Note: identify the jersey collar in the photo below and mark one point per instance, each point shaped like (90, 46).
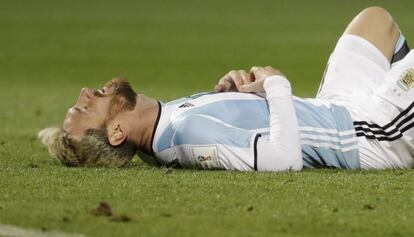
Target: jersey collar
(155, 127)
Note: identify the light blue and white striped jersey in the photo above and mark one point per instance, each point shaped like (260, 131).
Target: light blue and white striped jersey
(220, 131)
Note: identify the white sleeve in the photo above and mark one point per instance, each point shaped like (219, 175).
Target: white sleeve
(282, 151)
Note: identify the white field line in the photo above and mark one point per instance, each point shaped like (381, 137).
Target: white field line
(14, 231)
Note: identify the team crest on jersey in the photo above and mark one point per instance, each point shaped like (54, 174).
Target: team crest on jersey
(205, 157)
(406, 81)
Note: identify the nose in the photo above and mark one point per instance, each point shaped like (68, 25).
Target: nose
(85, 91)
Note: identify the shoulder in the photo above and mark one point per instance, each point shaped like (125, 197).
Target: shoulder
(195, 127)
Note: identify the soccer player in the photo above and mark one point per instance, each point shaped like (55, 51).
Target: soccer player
(361, 118)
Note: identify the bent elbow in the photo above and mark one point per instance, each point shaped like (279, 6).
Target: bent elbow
(270, 158)
(297, 162)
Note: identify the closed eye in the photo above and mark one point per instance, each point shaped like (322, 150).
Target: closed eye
(102, 91)
(99, 93)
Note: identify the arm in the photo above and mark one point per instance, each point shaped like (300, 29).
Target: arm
(282, 151)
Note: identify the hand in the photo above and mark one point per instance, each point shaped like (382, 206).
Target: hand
(240, 80)
(258, 75)
(233, 81)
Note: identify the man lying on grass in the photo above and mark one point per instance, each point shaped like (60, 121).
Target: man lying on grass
(361, 118)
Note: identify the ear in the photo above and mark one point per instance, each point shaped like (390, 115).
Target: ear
(116, 134)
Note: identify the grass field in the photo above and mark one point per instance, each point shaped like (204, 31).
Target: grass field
(168, 49)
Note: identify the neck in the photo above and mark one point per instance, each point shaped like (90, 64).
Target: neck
(141, 122)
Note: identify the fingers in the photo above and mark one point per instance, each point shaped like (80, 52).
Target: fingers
(256, 86)
(245, 77)
(237, 80)
(233, 81)
(253, 72)
(220, 88)
(224, 85)
(261, 73)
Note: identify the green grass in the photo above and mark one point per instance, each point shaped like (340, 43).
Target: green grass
(168, 49)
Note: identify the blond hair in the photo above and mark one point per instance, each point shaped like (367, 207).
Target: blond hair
(92, 150)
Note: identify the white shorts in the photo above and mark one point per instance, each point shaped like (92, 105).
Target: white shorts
(379, 98)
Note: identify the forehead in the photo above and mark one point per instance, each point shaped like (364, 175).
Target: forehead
(72, 123)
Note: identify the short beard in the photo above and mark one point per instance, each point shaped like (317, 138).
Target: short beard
(124, 97)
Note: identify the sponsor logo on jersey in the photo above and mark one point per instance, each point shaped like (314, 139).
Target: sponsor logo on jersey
(185, 105)
(406, 81)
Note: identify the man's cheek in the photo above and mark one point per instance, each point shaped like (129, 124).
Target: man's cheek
(113, 110)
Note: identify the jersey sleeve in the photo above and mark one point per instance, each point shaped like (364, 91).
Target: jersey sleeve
(282, 149)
